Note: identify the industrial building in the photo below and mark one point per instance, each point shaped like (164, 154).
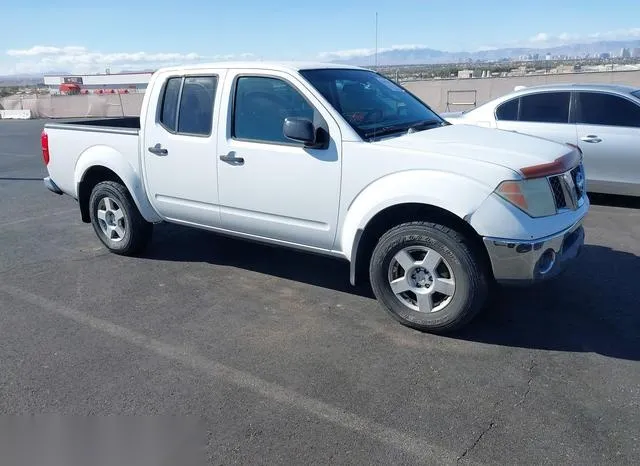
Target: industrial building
(107, 83)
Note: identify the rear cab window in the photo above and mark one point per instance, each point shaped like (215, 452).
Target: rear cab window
(169, 103)
(187, 105)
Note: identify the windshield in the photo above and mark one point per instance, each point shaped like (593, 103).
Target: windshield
(636, 93)
(373, 105)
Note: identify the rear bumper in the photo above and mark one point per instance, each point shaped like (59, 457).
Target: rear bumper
(515, 261)
(51, 186)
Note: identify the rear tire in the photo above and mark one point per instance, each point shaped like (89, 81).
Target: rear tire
(117, 220)
(428, 277)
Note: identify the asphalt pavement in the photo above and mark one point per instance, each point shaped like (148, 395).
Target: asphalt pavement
(282, 362)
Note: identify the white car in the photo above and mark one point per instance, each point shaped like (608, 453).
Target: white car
(333, 160)
(603, 120)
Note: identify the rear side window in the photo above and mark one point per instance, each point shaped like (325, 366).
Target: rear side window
(195, 96)
(605, 109)
(545, 107)
(196, 105)
(508, 111)
(169, 112)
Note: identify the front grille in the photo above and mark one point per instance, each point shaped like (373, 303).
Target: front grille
(558, 192)
(568, 188)
(577, 175)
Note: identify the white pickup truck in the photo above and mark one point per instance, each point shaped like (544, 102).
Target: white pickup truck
(334, 160)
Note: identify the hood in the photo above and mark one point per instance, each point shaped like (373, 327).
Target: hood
(505, 148)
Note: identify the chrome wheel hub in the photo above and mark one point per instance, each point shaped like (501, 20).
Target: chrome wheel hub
(111, 219)
(421, 279)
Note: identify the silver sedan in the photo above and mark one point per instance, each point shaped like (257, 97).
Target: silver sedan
(603, 120)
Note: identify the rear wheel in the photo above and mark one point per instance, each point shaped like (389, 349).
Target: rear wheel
(117, 220)
(427, 276)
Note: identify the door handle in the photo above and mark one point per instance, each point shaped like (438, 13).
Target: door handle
(158, 150)
(591, 138)
(232, 159)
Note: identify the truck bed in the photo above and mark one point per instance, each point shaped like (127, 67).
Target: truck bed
(76, 143)
(125, 125)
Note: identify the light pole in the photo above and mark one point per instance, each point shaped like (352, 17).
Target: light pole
(376, 52)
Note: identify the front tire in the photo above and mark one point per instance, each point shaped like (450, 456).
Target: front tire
(117, 220)
(428, 277)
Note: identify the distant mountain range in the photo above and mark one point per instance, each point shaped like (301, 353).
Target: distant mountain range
(424, 56)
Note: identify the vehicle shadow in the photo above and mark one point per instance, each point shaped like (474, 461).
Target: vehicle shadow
(611, 200)
(183, 244)
(14, 178)
(592, 307)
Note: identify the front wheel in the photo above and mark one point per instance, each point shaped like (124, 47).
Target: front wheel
(428, 277)
(117, 220)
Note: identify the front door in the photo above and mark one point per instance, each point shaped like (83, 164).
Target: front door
(179, 150)
(609, 136)
(542, 114)
(270, 186)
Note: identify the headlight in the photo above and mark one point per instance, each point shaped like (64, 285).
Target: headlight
(533, 196)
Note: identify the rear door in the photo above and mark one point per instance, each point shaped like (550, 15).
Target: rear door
(609, 136)
(179, 148)
(543, 114)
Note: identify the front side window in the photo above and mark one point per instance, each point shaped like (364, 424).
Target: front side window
(597, 108)
(169, 110)
(545, 107)
(508, 111)
(196, 105)
(372, 104)
(261, 106)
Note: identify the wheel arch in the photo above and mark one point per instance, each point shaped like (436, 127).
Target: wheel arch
(101, 163)
(94, 175)
(367, 236)
(411, 195)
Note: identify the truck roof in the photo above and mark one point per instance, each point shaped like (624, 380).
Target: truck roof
(264, 65)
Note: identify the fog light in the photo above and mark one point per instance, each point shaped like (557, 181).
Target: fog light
(524, 247)
(546, 261)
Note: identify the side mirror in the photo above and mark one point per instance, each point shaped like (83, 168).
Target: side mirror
(301, 130)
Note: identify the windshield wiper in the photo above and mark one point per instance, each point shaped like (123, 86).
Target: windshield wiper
(386, 130)
(425, 125)
(408, 128)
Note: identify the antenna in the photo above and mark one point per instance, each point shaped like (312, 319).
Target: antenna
(376, 54)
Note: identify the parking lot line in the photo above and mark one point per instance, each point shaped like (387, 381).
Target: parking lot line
(37, 217)
(415, 446)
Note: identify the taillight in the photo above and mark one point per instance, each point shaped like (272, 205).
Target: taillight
(44, 143)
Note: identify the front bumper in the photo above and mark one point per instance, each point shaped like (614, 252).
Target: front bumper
(51, 186)
(516, 261)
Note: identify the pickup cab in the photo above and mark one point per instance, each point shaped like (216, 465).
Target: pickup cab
(334, 160)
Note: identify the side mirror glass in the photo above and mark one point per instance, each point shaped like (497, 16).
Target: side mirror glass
(300, 130)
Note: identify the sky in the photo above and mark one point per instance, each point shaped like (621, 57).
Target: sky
(39, 36)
